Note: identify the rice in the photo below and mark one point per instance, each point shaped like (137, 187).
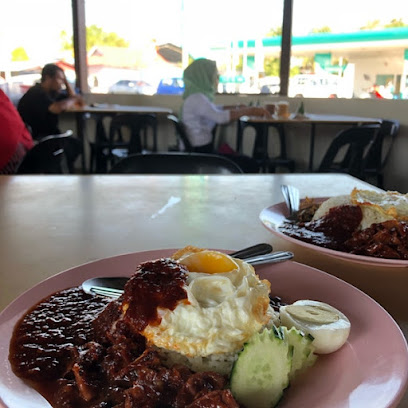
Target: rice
(220, 363)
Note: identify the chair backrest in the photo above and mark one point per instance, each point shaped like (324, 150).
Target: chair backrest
(181, 132)
(138, 126)
(53, 154)
(378, 155)
(351, 145)
(176, 163)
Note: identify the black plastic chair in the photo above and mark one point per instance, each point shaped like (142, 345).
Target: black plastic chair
(260, 149)
(181, 133)
(176, 163)
(347, 153)
(246, 163)
(379, 153)
(183, 136)
(55, 154)
(109, 148)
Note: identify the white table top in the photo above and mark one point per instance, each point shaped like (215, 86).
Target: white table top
(317, 118)
(115, 108)
(51, 223)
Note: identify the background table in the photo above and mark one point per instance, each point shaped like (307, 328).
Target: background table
(312, 119)
(109, 109)
(52, 223)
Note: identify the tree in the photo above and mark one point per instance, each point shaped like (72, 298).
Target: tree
(94, 36)
(395, 23)
(324, 29)
(371, 25)
(271, 66)
(19, 54)
(274, 32)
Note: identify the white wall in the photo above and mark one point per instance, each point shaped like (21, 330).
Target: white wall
(396, 177)
(371, 67)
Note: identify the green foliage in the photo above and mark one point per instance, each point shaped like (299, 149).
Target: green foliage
(67, 42)
(371, 25)
(274, 32)
(271, 66)
(294, 71)
(394, 23)
(240, 66)
(94, 36)
(375, 24)
(19, 54)
(325, 29)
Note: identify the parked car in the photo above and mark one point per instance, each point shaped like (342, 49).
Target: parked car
(171, 86)
(314, 86)
(132, 87)
(270, 85)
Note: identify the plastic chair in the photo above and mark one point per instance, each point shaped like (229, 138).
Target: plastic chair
(181, 132)
(347, 153)
(55, 154)
(260, 149)
(183, 136)
(176, 163)
(247, 164)
(108, 149)
(379, 153)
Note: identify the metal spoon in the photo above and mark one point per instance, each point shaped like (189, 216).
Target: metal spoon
(292, 199)
(113, 286)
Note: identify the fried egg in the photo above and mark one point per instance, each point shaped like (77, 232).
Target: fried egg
(376, 206)
(227, 303)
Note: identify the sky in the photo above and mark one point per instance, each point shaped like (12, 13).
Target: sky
(36, 25)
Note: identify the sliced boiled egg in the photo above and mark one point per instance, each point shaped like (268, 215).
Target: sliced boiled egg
(209, 262)
(329, 327)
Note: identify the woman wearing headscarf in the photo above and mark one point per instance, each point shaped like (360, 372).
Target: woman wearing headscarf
(199, 113)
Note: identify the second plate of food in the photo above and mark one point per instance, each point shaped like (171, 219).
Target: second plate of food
(273, 218)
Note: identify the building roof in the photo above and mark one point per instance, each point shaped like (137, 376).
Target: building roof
(133, 58)
(369, 41)
(389, 34)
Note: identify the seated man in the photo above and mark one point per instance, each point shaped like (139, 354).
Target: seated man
(41, 104)
(15, 139)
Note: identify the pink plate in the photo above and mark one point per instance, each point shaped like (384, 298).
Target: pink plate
(273, 217)
(371, 366)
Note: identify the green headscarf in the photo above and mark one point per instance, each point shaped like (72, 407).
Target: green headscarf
(199, 77)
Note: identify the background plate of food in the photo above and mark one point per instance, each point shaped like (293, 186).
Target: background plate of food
(371, 366)
(366, 226)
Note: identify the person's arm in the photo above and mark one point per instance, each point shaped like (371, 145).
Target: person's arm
(229, 107)
(67, 103)
(248, 111)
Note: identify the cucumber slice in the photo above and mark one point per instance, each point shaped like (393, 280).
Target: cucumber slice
(261, 372)
(303, 350)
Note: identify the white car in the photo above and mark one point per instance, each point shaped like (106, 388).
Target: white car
(270, 85)
(314, 86)
(133, 87)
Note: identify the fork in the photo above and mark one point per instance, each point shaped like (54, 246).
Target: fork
(292, 200)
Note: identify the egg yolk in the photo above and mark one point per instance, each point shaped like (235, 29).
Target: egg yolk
(209, 262)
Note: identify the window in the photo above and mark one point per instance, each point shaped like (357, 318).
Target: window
(353, 49)
(33, 34)
(155, 42)
(357, 48)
